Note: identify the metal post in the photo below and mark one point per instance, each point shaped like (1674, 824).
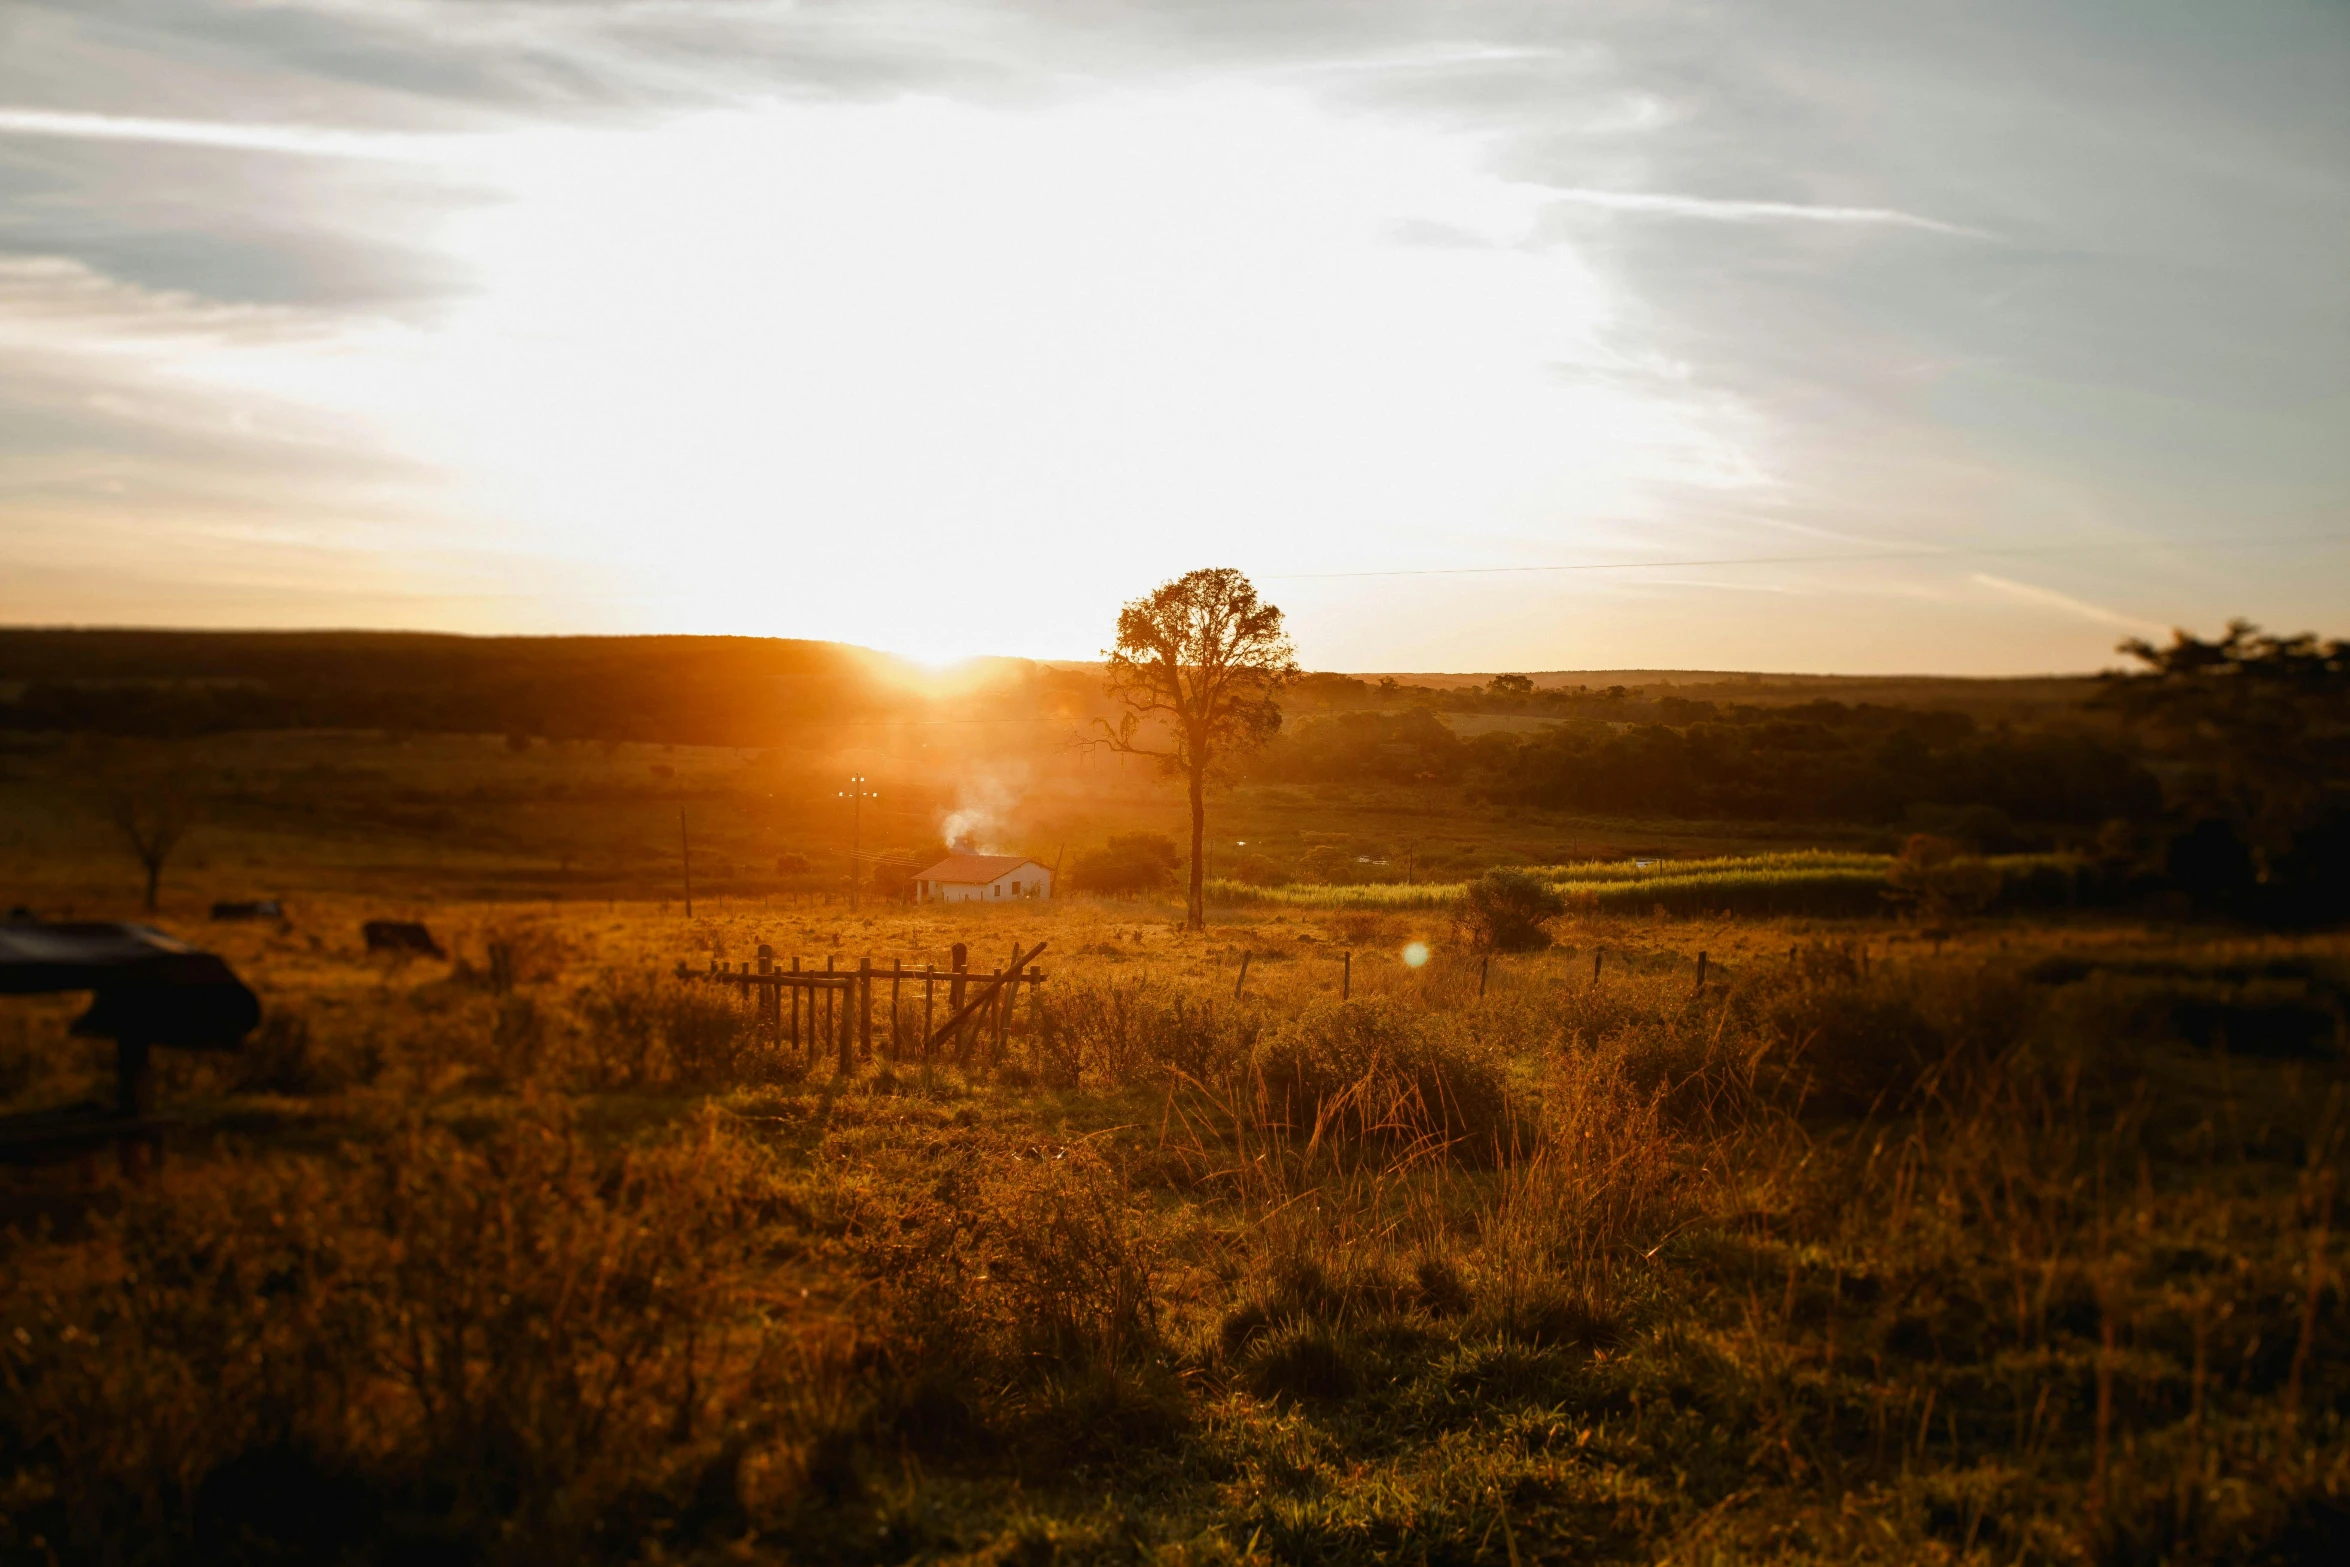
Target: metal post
(857, 794)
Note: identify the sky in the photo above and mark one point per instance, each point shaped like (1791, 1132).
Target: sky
(1484, 335)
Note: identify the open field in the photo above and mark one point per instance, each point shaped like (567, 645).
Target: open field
(2018, 1252)
(2002, 1237)
(472, 816)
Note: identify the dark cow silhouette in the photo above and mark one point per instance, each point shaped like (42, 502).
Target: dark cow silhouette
(258, 909)
(400, 936)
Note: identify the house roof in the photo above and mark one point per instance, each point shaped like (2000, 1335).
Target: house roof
(974, 869)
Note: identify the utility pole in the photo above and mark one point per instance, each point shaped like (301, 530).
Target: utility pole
(856, 794)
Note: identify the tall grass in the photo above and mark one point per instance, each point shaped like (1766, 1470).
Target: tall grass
(1922, 1261)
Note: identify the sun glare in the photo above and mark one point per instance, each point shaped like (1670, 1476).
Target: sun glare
(944, 379)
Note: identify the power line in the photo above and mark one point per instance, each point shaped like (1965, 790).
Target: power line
(1816, 560)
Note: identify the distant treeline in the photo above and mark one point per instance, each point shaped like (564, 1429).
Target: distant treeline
(1818, 761)
(751, 691)
(2024, 699)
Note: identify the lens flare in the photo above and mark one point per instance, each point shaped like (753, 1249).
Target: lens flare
(1416, 954)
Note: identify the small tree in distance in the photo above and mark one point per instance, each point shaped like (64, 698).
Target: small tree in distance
(1137, 862)
(151, 809)
(1933, 876)
(1204, 657)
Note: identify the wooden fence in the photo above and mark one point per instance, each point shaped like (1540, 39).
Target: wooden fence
(805, 1008)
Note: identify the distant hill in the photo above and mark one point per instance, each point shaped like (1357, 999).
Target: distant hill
(685, 690)
(743, 691)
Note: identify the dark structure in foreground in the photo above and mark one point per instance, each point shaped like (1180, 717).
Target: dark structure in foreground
(147, 991)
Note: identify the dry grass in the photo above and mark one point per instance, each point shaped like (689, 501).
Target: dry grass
(1859, 1253)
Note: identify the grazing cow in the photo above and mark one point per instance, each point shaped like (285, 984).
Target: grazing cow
(400, 936)
(258, 909)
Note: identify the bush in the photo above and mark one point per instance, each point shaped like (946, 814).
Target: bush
(1935, 878)
(1135, 863)
(1349, 1072)
(1504, 910)
(1092, 1031)
(639, 1028)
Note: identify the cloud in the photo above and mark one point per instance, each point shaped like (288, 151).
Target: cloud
(2063, 603)
(307, 141)
(1720, 209)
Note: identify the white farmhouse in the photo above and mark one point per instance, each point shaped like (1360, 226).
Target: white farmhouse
(972, 878)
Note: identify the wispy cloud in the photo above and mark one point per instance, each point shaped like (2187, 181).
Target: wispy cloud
(308, 141)
(2065, 603)
(1720, 209)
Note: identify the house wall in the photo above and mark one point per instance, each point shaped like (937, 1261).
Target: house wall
(1000, 890)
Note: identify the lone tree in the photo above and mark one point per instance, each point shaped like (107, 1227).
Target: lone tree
(151, 808)
(1203, 657)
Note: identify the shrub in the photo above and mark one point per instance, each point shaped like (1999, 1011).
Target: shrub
(1835, 1039)
(1504, 910)
(1125, 866)
(1072, 1266)
(1304, 1363)
(1934, 877)
(1347, 1072)
(639, 1028)
(1094, 1030)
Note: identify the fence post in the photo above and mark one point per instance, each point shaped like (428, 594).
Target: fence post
(1484, 973)
(1003, 1013)
(1598, 954)
(769, 1017)
(929, 991)
(960, 956)
(1700, 990)
(865, 1008)
(1346, 976)
(795, 1006)
(844, 1026)
(1243, 979)
(897, 1022)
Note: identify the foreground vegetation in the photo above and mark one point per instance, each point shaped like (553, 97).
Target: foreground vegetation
(2021, 1251)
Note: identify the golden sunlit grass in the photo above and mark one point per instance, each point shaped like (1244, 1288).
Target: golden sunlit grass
(1860, 1252)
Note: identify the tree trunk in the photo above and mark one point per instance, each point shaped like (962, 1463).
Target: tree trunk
(154, 875)
(1195, 915)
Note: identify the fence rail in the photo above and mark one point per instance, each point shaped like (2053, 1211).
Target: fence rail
(837, 1004)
